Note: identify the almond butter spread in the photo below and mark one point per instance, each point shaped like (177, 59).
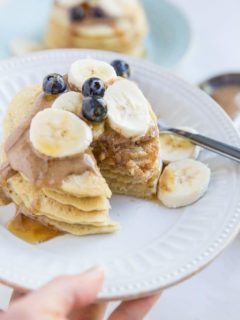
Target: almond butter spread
(40, 170)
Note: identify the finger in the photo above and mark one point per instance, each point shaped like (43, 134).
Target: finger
(16, 296)
(92, 312)
(134, 310)
(65, 293)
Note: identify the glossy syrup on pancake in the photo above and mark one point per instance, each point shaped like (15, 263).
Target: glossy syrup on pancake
(31, 230)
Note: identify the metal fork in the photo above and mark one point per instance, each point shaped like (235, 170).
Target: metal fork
(215, 146)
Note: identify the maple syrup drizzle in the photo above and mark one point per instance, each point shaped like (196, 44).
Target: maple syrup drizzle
(31, 230)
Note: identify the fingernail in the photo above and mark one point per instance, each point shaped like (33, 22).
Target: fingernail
(94, 271)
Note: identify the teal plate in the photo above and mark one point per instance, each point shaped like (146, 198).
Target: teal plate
(167, 43)
(24, 19)
(170, 35)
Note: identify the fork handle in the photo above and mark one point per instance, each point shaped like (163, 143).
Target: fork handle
(221, 148)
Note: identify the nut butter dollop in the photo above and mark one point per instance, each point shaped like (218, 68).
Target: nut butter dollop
(40, 170)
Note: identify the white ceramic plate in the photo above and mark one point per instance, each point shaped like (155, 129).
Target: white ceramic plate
(156, 247)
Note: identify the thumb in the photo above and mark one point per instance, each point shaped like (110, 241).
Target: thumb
(64, 294)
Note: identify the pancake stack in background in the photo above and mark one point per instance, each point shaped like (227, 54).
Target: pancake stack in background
(80, 206)
(115, 25)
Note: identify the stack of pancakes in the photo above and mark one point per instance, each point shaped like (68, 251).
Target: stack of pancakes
(130, 167)
(122, 29)
(79, 206)
(125, 152)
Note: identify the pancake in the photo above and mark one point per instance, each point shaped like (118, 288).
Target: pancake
(120, 159)
(82, 230)
(88, 184)
(80, 201)
(36, 202)
(85, 204)
(130, 168)
(123, 32)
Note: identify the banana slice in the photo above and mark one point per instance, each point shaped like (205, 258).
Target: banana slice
(115, 8)
(70, 101)
(70, 3)
(83, 69)
(183, 182)
(58, 133)
(111, 7)
(119, 8)
(128, 109)
(160, 165)
(174, 148)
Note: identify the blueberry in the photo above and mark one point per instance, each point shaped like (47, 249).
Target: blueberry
(54, 84)
(122, 68)
(77, 14)
(97, 12)
(94, 109)
(93, 87)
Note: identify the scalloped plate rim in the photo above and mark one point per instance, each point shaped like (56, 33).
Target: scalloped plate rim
(229, 235)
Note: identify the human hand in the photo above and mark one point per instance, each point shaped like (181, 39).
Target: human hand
(73, 297)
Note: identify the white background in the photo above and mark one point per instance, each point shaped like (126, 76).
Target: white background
(215, 293)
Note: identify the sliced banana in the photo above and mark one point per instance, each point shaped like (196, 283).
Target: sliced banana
(111, 7)
(183, 182)
(174, 148)
(83, 69)
(70, 3)
(119, 8)
(58, 133)
(115, 8)
(128, 109)
(160, 165)
(70, 101)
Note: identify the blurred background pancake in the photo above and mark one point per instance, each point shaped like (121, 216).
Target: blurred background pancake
(167, 42)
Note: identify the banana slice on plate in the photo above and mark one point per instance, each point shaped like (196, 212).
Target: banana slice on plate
(183, 182)
(70, 101)
(160, 165)
(128, 109)
(83, 69)
(58, 133)
(173, 148)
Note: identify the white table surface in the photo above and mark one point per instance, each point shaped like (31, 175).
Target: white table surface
(213, 294)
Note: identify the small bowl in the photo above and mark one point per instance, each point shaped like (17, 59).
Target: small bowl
(229, 97)
(211, 85)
